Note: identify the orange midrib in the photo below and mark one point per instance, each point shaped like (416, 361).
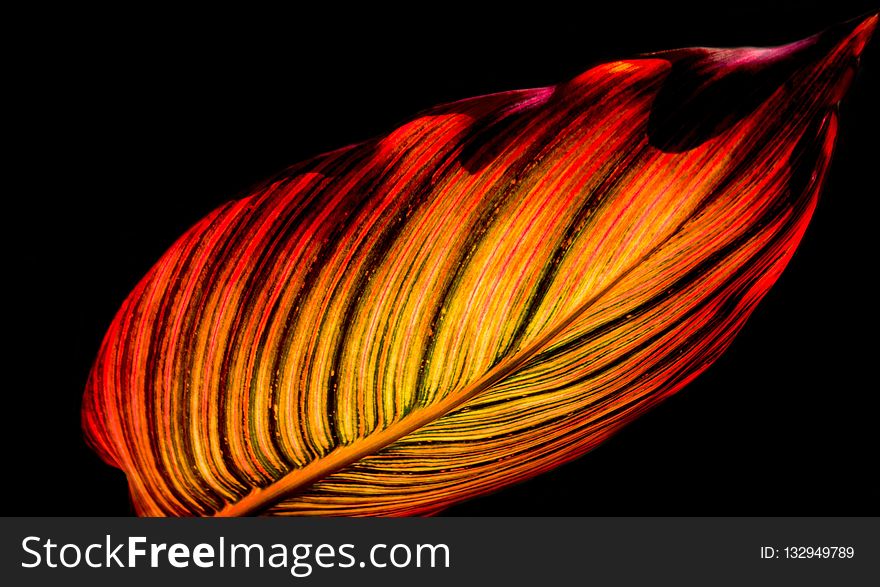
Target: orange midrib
(262, 498)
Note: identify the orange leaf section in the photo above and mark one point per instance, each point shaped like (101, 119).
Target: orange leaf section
(485, 293)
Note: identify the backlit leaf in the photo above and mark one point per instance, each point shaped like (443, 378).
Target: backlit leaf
(486, 292)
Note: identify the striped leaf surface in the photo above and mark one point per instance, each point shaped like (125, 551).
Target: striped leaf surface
(484, 293)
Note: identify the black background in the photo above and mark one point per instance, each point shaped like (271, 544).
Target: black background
(137, 125)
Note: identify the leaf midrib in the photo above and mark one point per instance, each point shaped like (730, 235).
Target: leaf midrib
(262, 498)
